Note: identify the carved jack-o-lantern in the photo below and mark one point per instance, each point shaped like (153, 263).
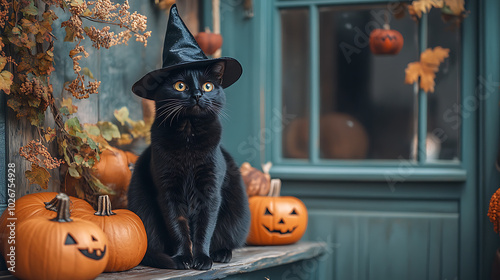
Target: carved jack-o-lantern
(61, 248)
(386, 41)
(276, 220)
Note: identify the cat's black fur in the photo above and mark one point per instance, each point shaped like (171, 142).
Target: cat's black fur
(185, 187)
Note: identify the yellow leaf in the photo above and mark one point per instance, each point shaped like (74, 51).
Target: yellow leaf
(3, 62)
(50, 134)
(125, 139)
(424, 6)
(427, 81)
(86, 71)
(87, 13)
(413, 71)
(457, 7)
(6, 81)
(68, 103)
(122, 115)
(431, 58)
(426, 68)
(38, 175)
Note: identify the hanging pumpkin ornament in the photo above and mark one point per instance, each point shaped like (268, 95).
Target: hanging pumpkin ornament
(386, 41)
(42, 204)
(126, 234)
(276, 220)
(256, 182)
(60, 248)
(209, 42)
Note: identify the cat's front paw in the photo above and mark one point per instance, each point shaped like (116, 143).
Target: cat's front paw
(202, 262)
(183, 261)
(223, 255)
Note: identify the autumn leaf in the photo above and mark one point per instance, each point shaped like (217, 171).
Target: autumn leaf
(6, 81)
(122, 115)
(73, 172)
(70, 34)
(50, 134)
(30, 9)
(38, 175)
(29, 26)
(72, 126)
(109, 130)
(455, 7)
(86, 71)
(424, 6)
(426, 68)
(3, 62)
(67, 103)
(125, 139)
(92, 129)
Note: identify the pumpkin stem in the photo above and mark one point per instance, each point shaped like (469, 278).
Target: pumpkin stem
(104, 206)
(275, 187)
(267, 167)
(62, 203)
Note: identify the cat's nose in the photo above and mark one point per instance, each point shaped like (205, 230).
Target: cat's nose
(198, 94)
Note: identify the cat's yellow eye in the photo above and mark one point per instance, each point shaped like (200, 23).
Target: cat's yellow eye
(207, 87)
(180, 86)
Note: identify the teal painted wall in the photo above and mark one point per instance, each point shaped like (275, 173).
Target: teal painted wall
(430, 224)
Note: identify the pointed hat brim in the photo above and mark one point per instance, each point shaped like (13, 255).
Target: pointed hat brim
(180, 50)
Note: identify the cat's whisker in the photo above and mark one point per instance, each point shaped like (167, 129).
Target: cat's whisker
(177, 113)
(173, 103)
(171, 113)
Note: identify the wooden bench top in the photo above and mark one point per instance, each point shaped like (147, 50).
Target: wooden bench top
(244, 260)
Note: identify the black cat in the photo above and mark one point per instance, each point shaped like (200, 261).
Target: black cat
(185, 187)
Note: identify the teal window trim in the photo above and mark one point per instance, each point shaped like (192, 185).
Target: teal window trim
(364, 170)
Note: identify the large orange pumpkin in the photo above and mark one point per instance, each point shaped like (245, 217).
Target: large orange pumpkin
(113, 170)
(60, 248)
(276, 220)
(386, 41)
(36, 204)
(126, 235)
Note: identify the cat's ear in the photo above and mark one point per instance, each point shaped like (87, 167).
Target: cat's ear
(217, 70)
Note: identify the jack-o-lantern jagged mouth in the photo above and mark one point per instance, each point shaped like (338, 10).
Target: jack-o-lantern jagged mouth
(94, 255)
(279, 231)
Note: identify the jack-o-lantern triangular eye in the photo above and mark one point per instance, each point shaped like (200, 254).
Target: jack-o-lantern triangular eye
(267, 212)
(70, 240)
(293, 212)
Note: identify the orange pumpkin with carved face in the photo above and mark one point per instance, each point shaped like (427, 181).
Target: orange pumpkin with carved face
(60, 248)
(276, 220)
(386, 41)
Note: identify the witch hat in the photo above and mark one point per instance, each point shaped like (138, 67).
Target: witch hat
(180, 50)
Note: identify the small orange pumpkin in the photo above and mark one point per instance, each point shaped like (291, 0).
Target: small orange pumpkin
(256, 182)
(60, 248)
(386, 41)
(276, 220)
(36, 204)
(126, 235)
(209, 42)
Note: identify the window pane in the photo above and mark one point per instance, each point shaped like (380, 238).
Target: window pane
(443, 120)
(367, 111)
(295, 81)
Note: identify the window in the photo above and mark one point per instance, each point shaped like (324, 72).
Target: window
(339, 101)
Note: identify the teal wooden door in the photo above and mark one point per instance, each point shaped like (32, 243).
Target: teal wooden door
(384, 217)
